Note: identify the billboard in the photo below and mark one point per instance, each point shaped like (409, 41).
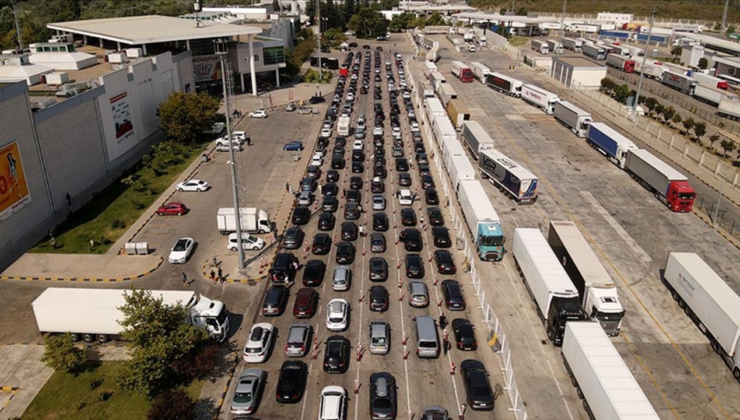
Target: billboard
(206, 68)
(13, 186)
(121, 113)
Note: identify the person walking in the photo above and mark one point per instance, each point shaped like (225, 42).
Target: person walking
(287, 187)
(221, 274)
(442, 321)
(213, 276)
(185, 280)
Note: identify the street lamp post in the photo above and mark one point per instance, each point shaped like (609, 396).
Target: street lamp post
(642, 73)
(562, 27)
(221, 50)
(318, 13)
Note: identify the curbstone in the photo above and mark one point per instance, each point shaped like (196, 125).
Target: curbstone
(82, 279)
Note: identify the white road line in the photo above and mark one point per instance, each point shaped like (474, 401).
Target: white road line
(310, 369)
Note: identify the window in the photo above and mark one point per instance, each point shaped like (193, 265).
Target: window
(273, 55)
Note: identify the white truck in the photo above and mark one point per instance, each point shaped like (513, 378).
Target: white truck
(462, 71)
(480, 71)
(540, 46)
(482, 220)
(437, 79)
(709, 302)
(548, 284)
(446, 93)
(665, 183)
(435, 108)
(710, 81)
(460, 169)
(252, 220)
(343, 126)
(555, 46)
(476, 138)
(594, 51)
(451, 147)
(429, 67)
(443, 129)
(572, 117)
(508, 176)
(596, 289)
(712, 95)
(469, 36)
(94, 315)
(535, 95)
(572, 44)
(652, 69)
(505, 84)
(602, 378)
(729, 109)
(482, 40)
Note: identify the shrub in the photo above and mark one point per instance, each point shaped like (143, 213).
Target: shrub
(199, 363)
(61, 353)
(172, 405)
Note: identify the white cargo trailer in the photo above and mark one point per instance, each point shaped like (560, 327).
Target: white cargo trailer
(729, 109)
(539, 97)
(554, 46)
(594, 51)
(710, 81)
(604, 381)
(451, 147)
(709, 302)
(252, 220)
(443, 129)
(429, 67)
(574, 45)
(713, 96)
(572, 117)
(540, 46)
(446, 93)
(482, 220)
(508, 176)
(505, 84)
(460, 169)
(651, 69)
(435, 109)
(480, 71)
(476, 138)
(437, 79)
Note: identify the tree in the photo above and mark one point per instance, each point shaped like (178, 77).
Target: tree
(311, 11)
(668, 113)
(703, 63)
(183, 116)
(402, 22)
(713, 138)
(368, 23)
(677, 118)
(172, 405)
(688, 124)
(676, 51)
(621, 92)
(61, 353)
(349, 10)
(730, 30)
(649, 103)
(436, 19)
(159, 338)
(728, 146)
(276, 6)
(700, 129)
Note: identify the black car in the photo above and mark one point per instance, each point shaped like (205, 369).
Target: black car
(434, 214)
(408, 217)
(358, 167)
(358, 156)
(330, 188)
(379, 170)
(349, 231)
(293, 238)
(291, 382)
(332, 175)
(377, 186)
(422, 158)
(441, 237)
(378, 299)
(355, 182)
(477, 386)
(337, 161)
(340, 141)
(431, 197)
(464, 334)
(378, 269)
(336, 357)
(402, 164)
(330, 204)
(424, 169)
(411, 239)
(314, 272)
(377, 242)
(321, 244)
(404, 179)
(445, 263)
(427, 182)
(283, 268)
(414, 266)
(454, 300)
(380, 222)
(275, 300)
(382, 396)
(338, 150)
(353, 45)
(352, 211)
(354, 196)
(301, 215)
(326, 221)
(345, 253)
(419, 147)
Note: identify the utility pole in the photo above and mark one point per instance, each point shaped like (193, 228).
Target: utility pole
(318, 13)
(724, 15)
(644, 60)
(562, 26)
(18, 28)
(719, 199)
(221, 50)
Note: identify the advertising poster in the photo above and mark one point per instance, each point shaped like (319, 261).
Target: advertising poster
(13, 187)
(121, 113)
(206, 68)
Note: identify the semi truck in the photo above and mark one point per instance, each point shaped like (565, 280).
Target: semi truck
(469, 36)
(535, 95)
(582, 27)
(436, 78)
(443, 129)
(343, 126)
(573, 45)
(252, 220)
(460, 169)
(540, 46)
(652, 69)
(712, 96)
(476, 138)
(554, 46)
(508, 176)
(482, 41)
(482, 220)
(94, 314)
(708, 301)
(429, 67)
(458, 113)
(446, 93)
(548, 284)
(435, 108)
(425, 88)
(505, 84)
(572, 117)
(595, 52)
(598, 293)
(480, 71)
(603, 380)
(729, 109)
(609, 143)
(620, 63)
(462, 71)
(680, 82)
(710, 81)
(667, 184)
(451, 147)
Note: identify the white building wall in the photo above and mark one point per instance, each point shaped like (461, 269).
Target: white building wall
(590, 77)
(618, 18)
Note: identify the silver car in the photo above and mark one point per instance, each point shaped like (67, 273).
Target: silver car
(248, 391)
(342, 278)
(298, 340)
(305, 198)
(378, 202)
(418, 294)
(380, 337)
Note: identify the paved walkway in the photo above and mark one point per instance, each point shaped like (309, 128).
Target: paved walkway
(80, 267)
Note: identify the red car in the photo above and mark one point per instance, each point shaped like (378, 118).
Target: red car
(305, 303)
(172, 209)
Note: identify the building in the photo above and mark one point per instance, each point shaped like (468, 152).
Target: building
(619, 19)
(577, 72)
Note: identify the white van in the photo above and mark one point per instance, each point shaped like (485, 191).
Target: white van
(427, 342)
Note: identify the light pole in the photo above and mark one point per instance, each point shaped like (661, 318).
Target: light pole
(318, 13)
(724, 15)
(221, 47)
(719, 199)
(562, 26)
(642, 73)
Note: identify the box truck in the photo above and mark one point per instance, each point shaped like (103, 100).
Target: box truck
(712, 95)
(343, 126)
(508, 176)
(480, 71)
(729, 109)
(652, 69)
(708, 301)
(620, 63)
(437, 79)
(482, 41)
(598, 293)
(505, 84)
(609, 143)
(435, 109)
(457, 112)
(572, 117)
(476, 138)
(252, 220)
(429, 67)
(603, 380)
(539, 97)
(462, 71)
(710, 81)
(680, 82)
(94, 314)
(572, 44)
(482, 220)
(554, 46)
(667, 184)
(595, 52)
(460, 169)
(548, 284)
(446, 93)
(540, 45)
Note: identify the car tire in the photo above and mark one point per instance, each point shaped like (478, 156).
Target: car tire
(180, 189)
(233, 248)
(199, 190)
(160, 214)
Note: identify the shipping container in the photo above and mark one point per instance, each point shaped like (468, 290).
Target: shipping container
(681, 83)
(434, 108)
(710, 81)
(429, 67)
(443, 129)
(460, 169)
(458, 113)
(729, 109)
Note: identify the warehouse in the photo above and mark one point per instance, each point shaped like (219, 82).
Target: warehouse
(577, 72)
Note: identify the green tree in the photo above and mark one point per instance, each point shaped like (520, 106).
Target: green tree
(276, 6)
(172, 405)
(183, 116)
(311, 11)
(368, 23)
(402, 22)
(334, 37)
(703, 63)
(688, 124)
(621, 93)
(728, 146)
(676, 51)
(61, 353)
(349, 9)
(700, 129)
(649, 103)
(436, 19)
(730, 30)
(668, 113)
(713, 138)
(676, 119)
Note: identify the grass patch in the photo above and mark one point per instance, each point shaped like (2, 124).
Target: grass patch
(518, 41)
(312, 76)
(106, 217)
(93, 394)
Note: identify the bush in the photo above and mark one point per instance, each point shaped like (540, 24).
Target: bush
(199, 363)
(61, 353)
(172, 405)
(312, 76)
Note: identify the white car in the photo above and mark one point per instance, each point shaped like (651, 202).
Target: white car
(337, 312)
(225, 147)
(260, 113)
(181, 251)
(326, 132)
(317, 159)
(396, 130)
(333, 403)
(239, 135)
(378, 131)
(415, 126)
(357, 145)
(350, 97)
(249, 242)
(192, 185)
(406, 95)
(378, 202)
(259, 343)
(405, 198)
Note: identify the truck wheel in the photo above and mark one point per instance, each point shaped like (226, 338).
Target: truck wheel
(103, 338)
(233, 248)
(687, 311)
(75, 336)
(736, 374)
(579, 392)
(716, 348)
(675, 295)
(681, 304)
(88, 338)
(551, 335)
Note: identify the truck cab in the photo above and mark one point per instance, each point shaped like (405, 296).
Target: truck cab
(680, 196)
(603, 306)
(211, 315)
(490, 241)
(562, 310)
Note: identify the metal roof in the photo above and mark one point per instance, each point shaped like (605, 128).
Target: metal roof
(17, 73)
(504, 18)
(578, 62)
(151, 29)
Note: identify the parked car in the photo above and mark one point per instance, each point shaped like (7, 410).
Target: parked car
(345, 253)
(435, 217)
(193, 185)
(260, 113)
(248, 391)
(293, 238)
(313, 273)
(275, 300)
(377, 242)
(336, 356)
(172, 209)
(445, 263)
(380, 337)
(306, 301)
(301, 215)
(454, 300)
(477, 386)
(382, 396)
(418, 294)
(249, 242)
(378, 269)
(259, 341)
(326, 221)
(337, 315)
(293, 146)
(411, 238)
(378, 299)
(333, 403)
(181, 251)
(414, 266)
(321, 244)
(464, 334)
(291, 382)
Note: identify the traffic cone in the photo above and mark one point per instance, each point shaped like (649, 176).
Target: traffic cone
(406, 354)
(452, 368)
(400, 298)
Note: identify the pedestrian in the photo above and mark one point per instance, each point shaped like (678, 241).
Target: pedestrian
(185, 280)
(213, 276)
(442, 321)
(215, 262)
(287, 187)
(69, 199)
(445, 345)
(275, 233)
(319, 189)
(421, 222)
(344, 192)
(249, 141)
(221, 274)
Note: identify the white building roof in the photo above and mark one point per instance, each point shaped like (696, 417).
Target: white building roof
(503, 18)
(12, 74)
(63, 60)
(151, 29)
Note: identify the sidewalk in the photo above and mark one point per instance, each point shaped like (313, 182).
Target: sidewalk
(81, 267)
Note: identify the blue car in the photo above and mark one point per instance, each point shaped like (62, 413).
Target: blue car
(293, 146)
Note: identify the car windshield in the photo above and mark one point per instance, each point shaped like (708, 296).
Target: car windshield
(378, 340)
(492, 240)
(252, 350)
(242, 397)
(481, 391)
(382, 403)
(180, 246)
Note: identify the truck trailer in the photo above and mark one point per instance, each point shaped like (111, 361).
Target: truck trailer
(573, 45)
(535, 95)
(460, 169)
(680, 82)
(609, 143)
(508, 176)
(667, 184)
(458, 113)
(482, 220)
(603, 380)
(429, 67)
(572, 117)
(597, 291)
(548, 284)
(443, 129)
(94, 314)
(480, 71)
(540, 46)
(482, 41)
(712, 95)
(729, 109)
(446, 93)
(451, 147)
(554, 46)
(437, 79)
(709, 302)
(621, 63)
(476, 138)
(435, 108)
(710, 81)
(252, 220)
(462, 71)
(595, 52)
(505, 84)
(652, 69)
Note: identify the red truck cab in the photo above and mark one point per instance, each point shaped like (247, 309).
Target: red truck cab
(629, 66)
(466, 75)
(680, 196)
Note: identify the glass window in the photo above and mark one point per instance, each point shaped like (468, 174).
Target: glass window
(273, 55)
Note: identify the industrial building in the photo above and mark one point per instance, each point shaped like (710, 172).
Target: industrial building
(577, 71)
